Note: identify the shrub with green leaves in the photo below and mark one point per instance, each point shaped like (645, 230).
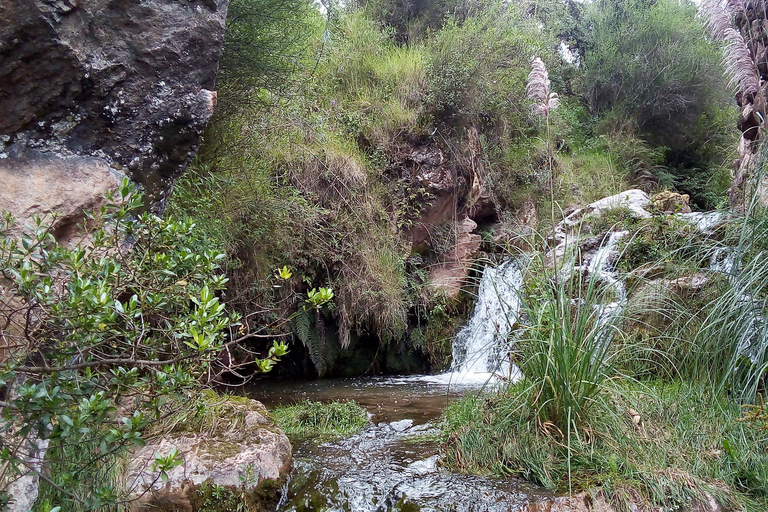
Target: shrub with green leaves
(97, 337)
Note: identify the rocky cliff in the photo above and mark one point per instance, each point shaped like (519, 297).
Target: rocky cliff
(105, 87)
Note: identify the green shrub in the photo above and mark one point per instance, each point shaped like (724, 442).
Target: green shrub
(125, 320)
(645, 66)
(478, 68)
(671, 243)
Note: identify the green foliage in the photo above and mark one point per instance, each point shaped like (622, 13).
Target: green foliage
(685, 443)
(649, 70)
(124, 320)
(563, 347)
(650, 61)
(614, 219)
(411, 20)
(265, 42)
(308, 326)
(666, 242)
(317, 419)
(478, 68)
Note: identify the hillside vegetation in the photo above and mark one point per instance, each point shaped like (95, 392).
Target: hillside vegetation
(355, 165)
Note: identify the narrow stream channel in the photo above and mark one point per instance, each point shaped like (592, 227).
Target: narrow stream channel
(392, 463)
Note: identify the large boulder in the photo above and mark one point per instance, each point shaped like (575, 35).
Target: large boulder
(57, 189)
(247, 455)
(128, 83)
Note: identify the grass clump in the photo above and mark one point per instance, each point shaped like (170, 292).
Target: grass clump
(562, 347)
(686, 444)
(321, 419)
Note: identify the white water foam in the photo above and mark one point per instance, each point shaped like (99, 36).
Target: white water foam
(479, 350)
(706, 222)
(603, 266)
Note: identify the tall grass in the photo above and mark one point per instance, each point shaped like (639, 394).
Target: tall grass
(687, 446)
(563, 349)
(731, 346)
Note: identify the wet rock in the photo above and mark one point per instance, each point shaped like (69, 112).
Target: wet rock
(58, 189)
(580, 502)
(130, 83)
(402, 425)
(449, 276)
(566, 232)
(584, 502)
(248, 458)
(671, 202)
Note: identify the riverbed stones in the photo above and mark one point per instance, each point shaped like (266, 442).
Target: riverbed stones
(246, 454)
(128, 83)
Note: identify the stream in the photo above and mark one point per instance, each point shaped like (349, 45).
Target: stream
(392, 463)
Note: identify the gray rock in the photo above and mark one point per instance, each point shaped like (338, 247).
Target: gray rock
(402, 425)
(243, 458)
(58, 189)
(129, 82)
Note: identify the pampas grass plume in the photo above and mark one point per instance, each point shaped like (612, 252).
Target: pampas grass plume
(538, 89)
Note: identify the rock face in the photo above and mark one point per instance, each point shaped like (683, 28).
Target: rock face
(242, 458)
(55, 188)
(449, 276)
(129, 83)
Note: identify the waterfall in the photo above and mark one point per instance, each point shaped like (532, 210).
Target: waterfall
(480, 346)
(602, 265)
(479, 349)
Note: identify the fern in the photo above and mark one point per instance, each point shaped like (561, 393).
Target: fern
(310, 329)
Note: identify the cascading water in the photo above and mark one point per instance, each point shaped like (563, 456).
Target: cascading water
(479, 348)
(602, 265)
(706, 222)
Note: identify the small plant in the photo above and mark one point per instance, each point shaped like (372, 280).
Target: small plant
(165, 463)
(319, 297)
